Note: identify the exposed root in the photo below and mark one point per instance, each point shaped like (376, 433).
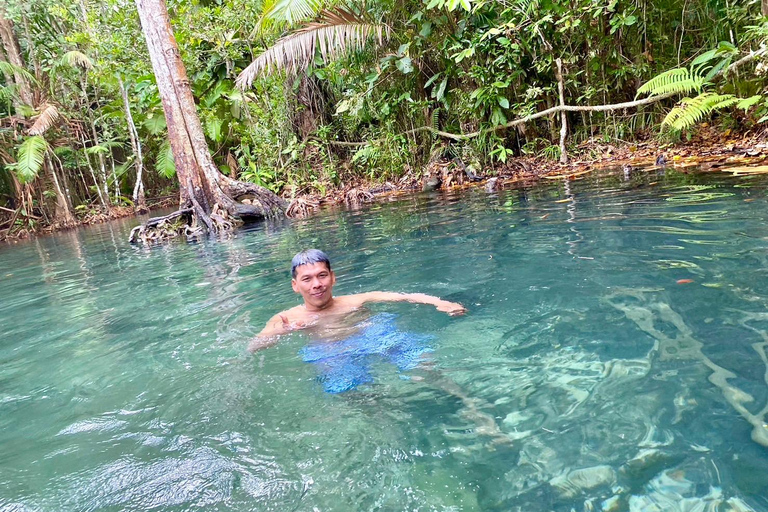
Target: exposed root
(302, 206)
(170, 226)
(357, 196)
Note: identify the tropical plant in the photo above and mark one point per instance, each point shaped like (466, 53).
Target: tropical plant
(697, 78)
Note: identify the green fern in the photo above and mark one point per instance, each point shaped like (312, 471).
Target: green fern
(677, 80)
(692, 110)
(164, 161)
(436, 119)
(30, 156)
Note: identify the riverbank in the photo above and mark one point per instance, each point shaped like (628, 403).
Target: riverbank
(709, 149)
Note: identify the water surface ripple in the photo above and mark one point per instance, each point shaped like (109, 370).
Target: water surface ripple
(614, 357)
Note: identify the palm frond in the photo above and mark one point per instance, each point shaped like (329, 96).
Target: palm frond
(48, 116)
(336, 32)
(164, 162)
(8, 93)
(7, 68)
(98, 149)
(692, 110)
(291, 11)
(677, 80)
(29, 159)
(75, 59)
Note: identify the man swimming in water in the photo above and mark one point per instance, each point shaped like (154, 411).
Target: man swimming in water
(313, 279)
(328, 318)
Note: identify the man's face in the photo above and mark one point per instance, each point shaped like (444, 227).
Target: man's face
(314, 282)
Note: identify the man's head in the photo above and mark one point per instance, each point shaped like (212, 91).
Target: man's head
(313, 278)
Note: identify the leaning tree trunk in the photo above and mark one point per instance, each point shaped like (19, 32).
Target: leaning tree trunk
(211, 196)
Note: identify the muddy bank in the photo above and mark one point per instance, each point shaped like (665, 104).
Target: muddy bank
(709, 150)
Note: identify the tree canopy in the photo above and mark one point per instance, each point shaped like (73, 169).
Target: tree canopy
(305, 95)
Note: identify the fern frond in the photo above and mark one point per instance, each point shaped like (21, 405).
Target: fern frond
(436, 119)
(49, 113)
(678, 80)
(745, 103)
(692, 110)
(30, 157)
(76, 59)
(164, 161)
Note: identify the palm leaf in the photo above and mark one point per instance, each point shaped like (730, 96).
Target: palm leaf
(164, 162)
(75, 59)
(678, 80)
(336, 32)
(30, 158)
(49, 113)
(7, 68)
(291, 11)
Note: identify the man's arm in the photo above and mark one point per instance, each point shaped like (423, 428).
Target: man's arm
(276, 327)
(452, 308)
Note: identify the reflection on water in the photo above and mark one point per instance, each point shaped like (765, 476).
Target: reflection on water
(614, 357)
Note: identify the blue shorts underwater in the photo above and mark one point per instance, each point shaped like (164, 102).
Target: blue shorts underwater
(345, 364)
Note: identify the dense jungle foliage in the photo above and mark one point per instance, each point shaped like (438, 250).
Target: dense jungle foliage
(336, 91)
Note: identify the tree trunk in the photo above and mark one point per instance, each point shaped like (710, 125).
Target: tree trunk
(13, 52)
(63, 213)
(764, 7)
(563, 114)
(139, 201)
(202, 185)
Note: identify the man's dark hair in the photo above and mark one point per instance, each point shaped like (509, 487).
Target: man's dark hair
(309, 257)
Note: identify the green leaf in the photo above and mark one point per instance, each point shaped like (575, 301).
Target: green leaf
(432, 79)
(703, 58)
(440, 94)
(31, 154)
(466, 5)
(503, 102)
(405, 65)
(426, 29)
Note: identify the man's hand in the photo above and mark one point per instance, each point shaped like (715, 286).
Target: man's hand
(452, 308)
(291, 326)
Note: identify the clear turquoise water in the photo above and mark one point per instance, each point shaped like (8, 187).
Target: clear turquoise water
(125, 384)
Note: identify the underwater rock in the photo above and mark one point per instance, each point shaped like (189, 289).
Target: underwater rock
(646, 464)
(573, 483)
(612, 504)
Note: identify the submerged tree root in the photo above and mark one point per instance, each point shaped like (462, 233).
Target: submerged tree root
(190, 222)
